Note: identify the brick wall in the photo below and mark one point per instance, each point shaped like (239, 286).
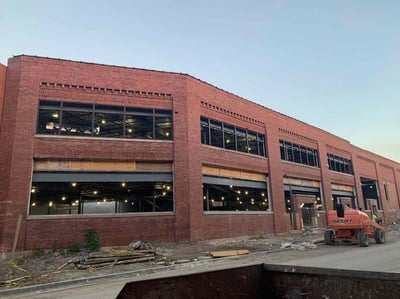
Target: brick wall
(30, 78)
(3, 69)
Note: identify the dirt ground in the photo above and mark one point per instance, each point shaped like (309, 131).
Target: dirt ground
(54, 265)
(37, 267)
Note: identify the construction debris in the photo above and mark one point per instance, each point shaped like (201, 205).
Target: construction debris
(227, 253)
(116, 257)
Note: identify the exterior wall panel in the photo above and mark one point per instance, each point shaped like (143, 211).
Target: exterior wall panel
(28, 79)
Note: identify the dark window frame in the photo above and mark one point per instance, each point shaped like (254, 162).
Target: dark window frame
(161, 120)
(298, 153)
(241, 137)
(339, 164)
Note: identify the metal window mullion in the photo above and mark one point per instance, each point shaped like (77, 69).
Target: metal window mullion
(154, 124)
(236, 138)
(209, 131)
(124, 123)
(93, 117)
(223, 135)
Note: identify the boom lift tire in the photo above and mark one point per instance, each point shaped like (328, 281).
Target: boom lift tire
(329, 237)
(362, 238)
(379, 236)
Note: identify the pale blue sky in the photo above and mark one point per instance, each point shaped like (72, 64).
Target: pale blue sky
(332, 64)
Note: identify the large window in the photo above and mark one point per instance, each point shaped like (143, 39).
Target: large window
(227, 136)
(299, 154)
(78, 119)
(340, 164)
(224, 194)
(99, 197)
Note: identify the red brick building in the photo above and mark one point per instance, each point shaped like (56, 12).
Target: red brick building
(160, 156)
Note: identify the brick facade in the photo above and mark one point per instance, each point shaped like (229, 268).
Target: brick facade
(28, 79)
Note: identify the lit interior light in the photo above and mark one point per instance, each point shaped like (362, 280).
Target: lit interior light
(103, 121)
(63, 198)
(73, 204)
(104, 200)
(168, 187)
(237, 198)
(98, 202)
(263, 194)
(227, 141)
(55, 115)
(130, 130)
(33, 204)
(288, 200)
(33, 190)
(246, 192)
(50, 203)
(230, 186)
(252, 199)
(240, 202)
(95, 192)
(164, 193)
(73, 184)
(125, 201)
(167, 134)
(238, 191)
(212, 200)
(77, 201)
(204, 197)
(123, 184)
(222, 197)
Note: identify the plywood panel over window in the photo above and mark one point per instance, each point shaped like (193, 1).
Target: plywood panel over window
(223, 172)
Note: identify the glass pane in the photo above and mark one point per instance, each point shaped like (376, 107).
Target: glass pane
(229, 137)
(283, 150)
(109, 125)
(76, 123)
(205, 131)
(232, 198)
(216, 133)
(252, 142)
(77, 106)
(140, 127)
(139, 111)
(296, 153)
(163, 128)
(50, 104)
(241, 140)
(261, 144)
(98, 198)
(289, 151)
(109, 108)
(303, 155)
(48, 122)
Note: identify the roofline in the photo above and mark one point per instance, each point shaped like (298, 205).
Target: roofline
(186, 75)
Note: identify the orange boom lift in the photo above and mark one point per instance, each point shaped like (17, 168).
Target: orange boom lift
(352, 225)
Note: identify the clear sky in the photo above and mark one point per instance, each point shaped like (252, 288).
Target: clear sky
(332, 64)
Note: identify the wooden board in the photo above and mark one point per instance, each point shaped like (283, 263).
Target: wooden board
(229, 253)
